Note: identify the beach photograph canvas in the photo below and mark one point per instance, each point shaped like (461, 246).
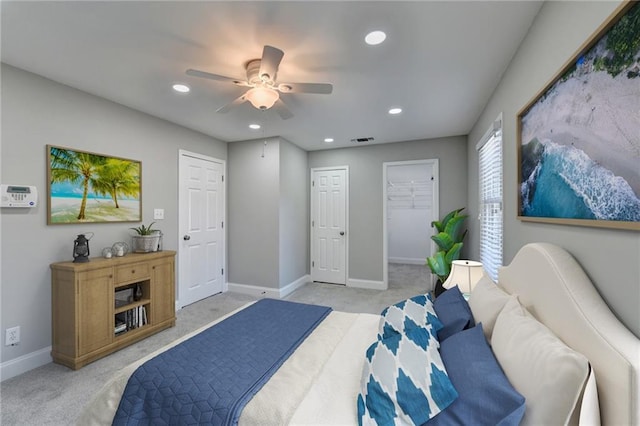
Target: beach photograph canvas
(86, 187)
(579, 147)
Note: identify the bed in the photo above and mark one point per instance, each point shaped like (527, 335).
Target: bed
(327, 378)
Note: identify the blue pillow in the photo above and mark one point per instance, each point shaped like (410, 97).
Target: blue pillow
(404, 380)
(485, 395)
(411, 313)
(454, 313)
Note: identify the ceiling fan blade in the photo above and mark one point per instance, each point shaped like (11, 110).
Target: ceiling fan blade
(282, 110)
(318, 88)
(203, 74)
(271, 57)
(230, 105)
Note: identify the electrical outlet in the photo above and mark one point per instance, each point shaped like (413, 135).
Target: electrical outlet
(158, 214)
(12, 336)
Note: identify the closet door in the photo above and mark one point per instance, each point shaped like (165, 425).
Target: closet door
(329, 225)
(201, 227)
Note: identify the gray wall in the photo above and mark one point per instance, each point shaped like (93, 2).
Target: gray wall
(611, 258)
(365, 190)
(36, 112)
(294, 213)
(268, 213)
(253, 212)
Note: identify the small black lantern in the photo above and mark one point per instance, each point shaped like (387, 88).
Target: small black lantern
(81, 249)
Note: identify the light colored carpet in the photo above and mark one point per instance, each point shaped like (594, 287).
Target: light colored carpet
(54, 395)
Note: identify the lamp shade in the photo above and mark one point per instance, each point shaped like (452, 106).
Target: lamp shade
(465, 274)
(262, 97)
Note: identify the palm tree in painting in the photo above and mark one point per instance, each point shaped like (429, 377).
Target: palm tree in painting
(76, 168)
(117, 177)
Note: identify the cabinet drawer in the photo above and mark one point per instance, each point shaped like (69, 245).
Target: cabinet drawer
(132, 272)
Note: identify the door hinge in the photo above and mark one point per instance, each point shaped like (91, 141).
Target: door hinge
(222, 271)
(222, 224)
(313, 264)
(313, 223)
(223, 178)
(313, 183)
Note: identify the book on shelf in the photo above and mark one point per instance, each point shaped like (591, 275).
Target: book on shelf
(131, 319)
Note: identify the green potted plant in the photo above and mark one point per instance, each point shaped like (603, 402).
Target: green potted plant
(146, 240)
(449, 238)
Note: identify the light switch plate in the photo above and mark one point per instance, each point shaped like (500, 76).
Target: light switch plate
(158, 214)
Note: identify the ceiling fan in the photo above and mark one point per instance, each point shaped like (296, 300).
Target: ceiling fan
(264, 92)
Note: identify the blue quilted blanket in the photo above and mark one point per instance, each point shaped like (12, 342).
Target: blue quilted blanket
(209, 378)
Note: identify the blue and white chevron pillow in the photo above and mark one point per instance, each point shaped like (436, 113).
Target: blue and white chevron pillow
(404, 380)
(414, 312)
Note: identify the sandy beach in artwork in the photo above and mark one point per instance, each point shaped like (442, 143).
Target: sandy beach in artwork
(65, 210)
(599, 115)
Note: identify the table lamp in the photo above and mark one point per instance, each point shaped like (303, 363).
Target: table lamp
(465, 274)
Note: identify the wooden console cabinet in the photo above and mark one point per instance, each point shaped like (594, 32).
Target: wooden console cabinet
(96, 309)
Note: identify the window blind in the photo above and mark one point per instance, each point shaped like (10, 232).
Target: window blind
(490, 197)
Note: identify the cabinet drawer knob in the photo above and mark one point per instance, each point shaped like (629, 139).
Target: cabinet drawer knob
(133, 271)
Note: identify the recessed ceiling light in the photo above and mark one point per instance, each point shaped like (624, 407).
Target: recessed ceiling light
(394, 111)
(375, 37)
(254, 126)
(328, 140)
(181, 88)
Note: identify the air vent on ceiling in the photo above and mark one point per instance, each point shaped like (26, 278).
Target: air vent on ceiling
(361, 140)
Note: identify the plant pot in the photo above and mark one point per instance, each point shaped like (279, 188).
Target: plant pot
(439, 289)
(145, 243)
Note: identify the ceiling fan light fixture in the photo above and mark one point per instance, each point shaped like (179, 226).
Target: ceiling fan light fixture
(262, 97)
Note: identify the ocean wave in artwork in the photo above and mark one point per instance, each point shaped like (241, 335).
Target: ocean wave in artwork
(565, 182)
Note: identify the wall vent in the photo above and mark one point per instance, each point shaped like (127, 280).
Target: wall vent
(361, 140)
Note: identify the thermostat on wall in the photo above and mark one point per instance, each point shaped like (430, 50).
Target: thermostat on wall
(18, 196)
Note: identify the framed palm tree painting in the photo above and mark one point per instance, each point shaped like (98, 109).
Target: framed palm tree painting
(85, 187)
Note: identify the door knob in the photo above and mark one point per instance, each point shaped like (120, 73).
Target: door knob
(341, 232)
(186, 237)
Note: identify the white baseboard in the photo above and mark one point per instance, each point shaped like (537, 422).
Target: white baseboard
(291, 287)
(408, 260)
(368, 284)
(275, 293)
(24, 363)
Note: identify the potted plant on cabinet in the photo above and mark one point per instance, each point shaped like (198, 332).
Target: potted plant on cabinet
(146, 240)
(449, 238)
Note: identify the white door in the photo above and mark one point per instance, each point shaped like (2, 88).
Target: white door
(201, 227)
(329, 225)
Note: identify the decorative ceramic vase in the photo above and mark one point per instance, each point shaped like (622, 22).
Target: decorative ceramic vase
(137, 294)
(119, 249)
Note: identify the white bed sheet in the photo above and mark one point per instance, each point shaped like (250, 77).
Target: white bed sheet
(318, 384)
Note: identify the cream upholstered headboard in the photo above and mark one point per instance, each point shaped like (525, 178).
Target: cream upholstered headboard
(551, 284)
